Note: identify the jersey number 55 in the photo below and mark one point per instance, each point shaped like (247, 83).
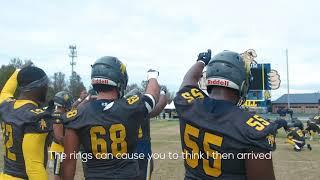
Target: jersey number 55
(192, 137)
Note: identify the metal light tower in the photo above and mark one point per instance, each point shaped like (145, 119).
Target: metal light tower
(288, 86)
(73, 54)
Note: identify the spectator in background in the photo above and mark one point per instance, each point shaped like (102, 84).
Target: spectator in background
(82, 97)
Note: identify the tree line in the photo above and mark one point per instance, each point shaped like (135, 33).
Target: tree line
(58, 82)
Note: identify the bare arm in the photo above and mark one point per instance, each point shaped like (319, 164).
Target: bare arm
(259, 169)
(77, 103)
(84, 101)
(153, 89)
(71, 146)
(58, 133)
(10, 87)
(193, 75)
(159, 107)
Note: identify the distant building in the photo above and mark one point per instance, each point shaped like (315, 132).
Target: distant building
(299, 103)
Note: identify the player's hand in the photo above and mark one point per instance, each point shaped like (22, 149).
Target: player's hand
(83, 95)
(91, 97)
(163, 90)
(27, 64)
(205, 57)
(152, 74)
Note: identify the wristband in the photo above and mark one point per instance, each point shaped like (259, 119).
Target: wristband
(202, 62)
(163, 93)
(154, 74)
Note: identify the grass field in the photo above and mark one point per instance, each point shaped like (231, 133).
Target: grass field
(288, 165)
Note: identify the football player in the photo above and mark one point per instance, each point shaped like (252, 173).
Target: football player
(144, 138)
(312, 129)
(316, 119)
(213, 126)
(295, 137)
(25, 126)
(107, 127)
(62, 102)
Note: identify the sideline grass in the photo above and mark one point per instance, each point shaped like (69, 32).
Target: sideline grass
(288, 165)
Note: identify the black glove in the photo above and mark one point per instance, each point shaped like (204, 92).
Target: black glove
(50, 107)
(205, 57)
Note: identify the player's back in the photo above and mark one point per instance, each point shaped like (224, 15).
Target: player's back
(20, 117)
(314, 127)
(296, 134)
(108, 132)
(216, 134)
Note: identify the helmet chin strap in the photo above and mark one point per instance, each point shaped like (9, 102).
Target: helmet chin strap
(241, 101)
(242, 93)
(120, 94)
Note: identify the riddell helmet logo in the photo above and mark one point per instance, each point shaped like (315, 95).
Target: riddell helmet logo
(100, 81)
(218, 82)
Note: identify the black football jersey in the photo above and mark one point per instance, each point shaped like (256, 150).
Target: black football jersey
(108, 129)
(216, 134)
(144, 139)
(296, 133)
(312, 126)
(144, 130)
(15, 123)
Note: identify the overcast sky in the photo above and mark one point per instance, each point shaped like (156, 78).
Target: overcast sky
(163, 34)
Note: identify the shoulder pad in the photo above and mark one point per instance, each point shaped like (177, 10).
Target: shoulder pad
(188, 94)
(133, 99)
(258, 123)
(39, 125)
(6, 101)
(37, 111)
(260, 132)
(38, 114)
(70, 115)
(10, 100)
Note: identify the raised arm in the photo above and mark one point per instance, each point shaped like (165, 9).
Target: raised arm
(10, 87)
(160, 105)
(194, 73)
(153, 87)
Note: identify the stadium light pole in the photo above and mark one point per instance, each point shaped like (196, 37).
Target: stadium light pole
(73, 54)
(288, 87)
